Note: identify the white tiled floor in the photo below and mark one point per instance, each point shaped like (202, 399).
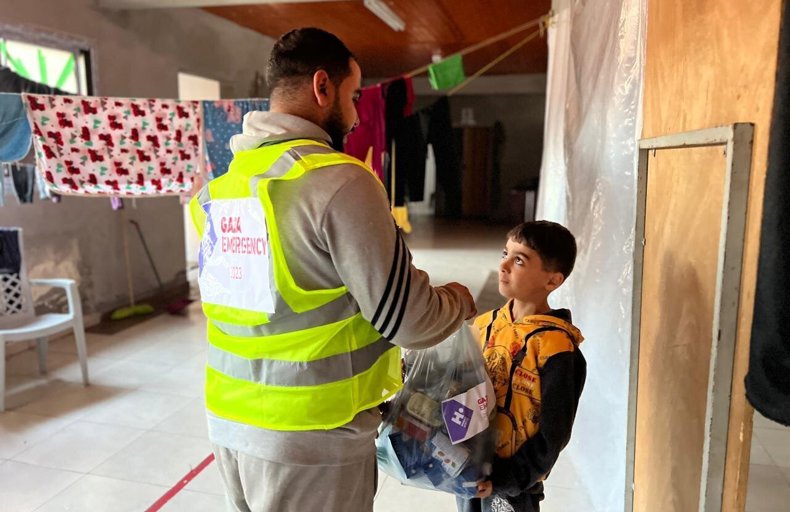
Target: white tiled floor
(769, 470)
(121, 443)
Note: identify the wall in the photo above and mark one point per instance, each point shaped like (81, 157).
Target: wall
(522, 118)
(135, 53)
(713, 63)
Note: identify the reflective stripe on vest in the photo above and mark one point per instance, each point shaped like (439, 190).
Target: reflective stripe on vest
(315, 362)
(342, 307)
(274, 372)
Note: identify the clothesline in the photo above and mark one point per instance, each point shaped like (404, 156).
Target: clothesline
(108, 174)
(542, 21)
(169, 174)
(91, 146)
(494, 62)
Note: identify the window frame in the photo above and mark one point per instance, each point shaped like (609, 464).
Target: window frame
(82, 49)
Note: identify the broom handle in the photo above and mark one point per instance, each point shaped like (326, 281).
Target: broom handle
(125, 237)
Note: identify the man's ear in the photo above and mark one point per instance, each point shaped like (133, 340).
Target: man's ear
(323, 88)
(555, 280)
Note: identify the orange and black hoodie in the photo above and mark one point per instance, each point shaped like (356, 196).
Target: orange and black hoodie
(538, 374)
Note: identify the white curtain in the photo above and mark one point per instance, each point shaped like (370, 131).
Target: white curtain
(588, 183)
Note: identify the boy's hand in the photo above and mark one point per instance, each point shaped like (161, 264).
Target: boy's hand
(484, 489)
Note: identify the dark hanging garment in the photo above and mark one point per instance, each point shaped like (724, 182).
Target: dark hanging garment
(410, 154)
(10, 255)
(396, 103)
(768, 380)
(24, 178)
(448, 166)
(11, 82)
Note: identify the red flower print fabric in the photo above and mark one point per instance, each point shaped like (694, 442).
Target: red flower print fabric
(116, 146)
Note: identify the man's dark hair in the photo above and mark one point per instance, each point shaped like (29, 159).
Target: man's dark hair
(300, 53)
(553, 242)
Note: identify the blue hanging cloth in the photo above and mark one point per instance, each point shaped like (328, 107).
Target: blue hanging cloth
(221, 120)
(15, 134)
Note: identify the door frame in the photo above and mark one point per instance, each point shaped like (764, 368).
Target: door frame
(737, 142)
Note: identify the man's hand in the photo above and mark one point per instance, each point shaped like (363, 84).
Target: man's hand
(466, 296)
(484, 489)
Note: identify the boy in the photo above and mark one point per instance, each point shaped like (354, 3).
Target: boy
(532, 356)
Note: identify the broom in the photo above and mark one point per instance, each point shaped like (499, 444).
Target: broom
(132, 309)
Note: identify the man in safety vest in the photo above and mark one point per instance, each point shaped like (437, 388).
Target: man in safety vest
(309, 291)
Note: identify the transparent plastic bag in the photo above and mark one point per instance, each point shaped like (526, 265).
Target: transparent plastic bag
(437, 433)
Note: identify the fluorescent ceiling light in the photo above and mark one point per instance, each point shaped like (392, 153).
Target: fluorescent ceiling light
(385, 14)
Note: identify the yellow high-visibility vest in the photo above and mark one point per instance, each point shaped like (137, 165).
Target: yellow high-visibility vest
(312, 361)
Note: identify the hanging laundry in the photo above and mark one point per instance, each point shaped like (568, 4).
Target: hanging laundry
(768, 380)
(410, 161)
(448, 167)
(369, 135)
(12, 82)
(10, 255)
(116, 146)
(398, 106)
(2, 186)
(447, 73)
(23, 177)
(428, 187)
(399, 213)
(409, 108)
(43, 189)
(223, 119)
(15, 134)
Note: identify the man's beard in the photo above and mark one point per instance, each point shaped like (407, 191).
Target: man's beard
(335, 127)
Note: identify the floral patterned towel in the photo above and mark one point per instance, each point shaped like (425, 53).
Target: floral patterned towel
(116, 146)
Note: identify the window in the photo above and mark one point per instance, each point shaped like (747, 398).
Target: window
(67, 70)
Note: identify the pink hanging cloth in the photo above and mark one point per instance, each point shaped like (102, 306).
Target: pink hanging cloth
(116, 146)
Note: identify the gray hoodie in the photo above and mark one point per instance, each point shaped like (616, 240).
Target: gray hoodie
(336, 229)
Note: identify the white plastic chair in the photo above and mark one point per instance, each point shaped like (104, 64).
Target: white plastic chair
(18, 321)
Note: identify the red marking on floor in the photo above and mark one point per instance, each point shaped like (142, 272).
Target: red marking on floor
(158, 504)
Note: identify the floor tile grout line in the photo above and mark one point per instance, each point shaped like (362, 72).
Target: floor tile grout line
(140, 433)
(84, 475)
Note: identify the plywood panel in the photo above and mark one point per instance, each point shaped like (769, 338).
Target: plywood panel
(713, 63)
(682, 224)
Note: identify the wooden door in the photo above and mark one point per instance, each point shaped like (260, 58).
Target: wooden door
(476, 174)
(682, 225)
(691, 217)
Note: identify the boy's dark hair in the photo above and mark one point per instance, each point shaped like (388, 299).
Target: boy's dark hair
(553, 242)
(297, 55)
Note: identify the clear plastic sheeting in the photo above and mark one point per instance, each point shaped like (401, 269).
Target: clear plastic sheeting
(588, 183)
(437, 435)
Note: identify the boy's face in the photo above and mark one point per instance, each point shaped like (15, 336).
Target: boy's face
(522, 277)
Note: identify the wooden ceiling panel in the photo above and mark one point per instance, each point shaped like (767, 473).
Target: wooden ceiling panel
(432, 26)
